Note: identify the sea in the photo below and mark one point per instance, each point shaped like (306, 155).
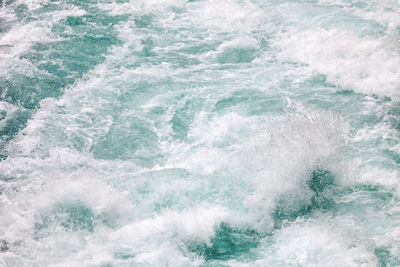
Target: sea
(199, 133)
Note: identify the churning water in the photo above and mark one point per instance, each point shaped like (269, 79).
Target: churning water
(200, 133)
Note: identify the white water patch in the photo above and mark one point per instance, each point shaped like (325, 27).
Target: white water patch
(318, 245)
(196, 226)
(228, 16)
(376, 175)
(367, 66)
(143, 7)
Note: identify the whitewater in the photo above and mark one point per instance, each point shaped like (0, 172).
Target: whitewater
(200, 133)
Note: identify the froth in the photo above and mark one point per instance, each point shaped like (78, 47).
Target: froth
(367, 66)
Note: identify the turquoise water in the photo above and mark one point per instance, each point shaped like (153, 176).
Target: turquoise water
(199, 133)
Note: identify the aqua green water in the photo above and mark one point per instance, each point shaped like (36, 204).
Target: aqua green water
(199, 133)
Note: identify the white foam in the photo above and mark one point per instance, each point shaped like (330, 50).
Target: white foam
(141, 6)
(229, 15)
(307, 244)
(367, 66)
